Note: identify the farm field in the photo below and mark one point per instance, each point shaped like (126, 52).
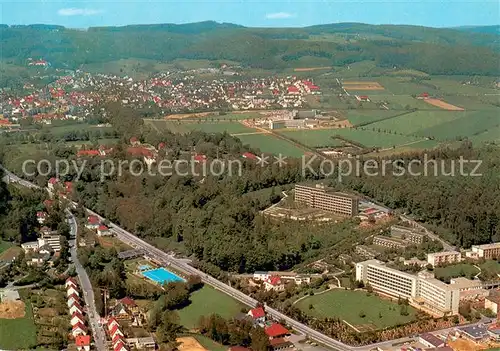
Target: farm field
(470, 124)
(449, 86)
(357, 117)
(443, 105)
(405, 86)
(474, 102)
(419, 145)
(349, 305)
(361, 85)
(401, 103)
(415, 122)
(268, 143)
(492, 135)
(229, 127)
(207, 301)
(19, 333)
(370, 138)
(314, 138)
(456, 270)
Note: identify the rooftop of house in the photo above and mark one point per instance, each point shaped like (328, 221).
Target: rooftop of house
(432, 339)
(475, 332)
(276, 330)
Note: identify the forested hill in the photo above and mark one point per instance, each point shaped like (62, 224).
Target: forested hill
(435, 51)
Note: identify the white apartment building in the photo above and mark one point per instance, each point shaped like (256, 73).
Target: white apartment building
(437, 258)
(53, 240)
(487, 251)
(387, 280)
(428, 292)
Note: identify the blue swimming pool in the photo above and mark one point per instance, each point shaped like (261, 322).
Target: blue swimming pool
(162, 276)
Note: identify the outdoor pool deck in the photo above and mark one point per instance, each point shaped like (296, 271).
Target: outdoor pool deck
(162, 276)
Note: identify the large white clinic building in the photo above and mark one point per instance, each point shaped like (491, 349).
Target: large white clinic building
(422, 290)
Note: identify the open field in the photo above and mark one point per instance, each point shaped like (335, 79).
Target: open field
(370, 138)
(362, 85)
(207, 301)
(18, 333)
(406, 86)
(229, 127)
(469, 125)
(400, 102)
(492, 135)
(313, 138)
(60, 130)
(415, 122)
(350, 305)
(10, 253)
(443, 105)
(189, 343)
(111, 241)
(456, 270)
(362, 116)
(268, 143)
(310, 69)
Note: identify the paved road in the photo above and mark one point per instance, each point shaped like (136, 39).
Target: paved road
(182, 266)
(88, 292)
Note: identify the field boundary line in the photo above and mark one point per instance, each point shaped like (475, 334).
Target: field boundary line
(364, 124)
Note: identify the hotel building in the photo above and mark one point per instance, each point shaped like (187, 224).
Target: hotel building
(424, 291)
(407, 234)
(488, 251)
(437, 258)
(325, 198)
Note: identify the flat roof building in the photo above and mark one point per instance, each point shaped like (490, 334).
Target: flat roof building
(487, 251)
(407, 234)
(424, 291)
(391, 243)
(327, 199)
(443, 257)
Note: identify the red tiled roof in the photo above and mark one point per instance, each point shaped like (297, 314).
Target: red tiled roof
(200, 158)
(278, 341)
(114, 329)
(274, 280)
(78, 315)
(53, 180)
(139, 151)
(258, 312)
(111, 320)
(48, 203)
(74, 296)
(102, 227)
(119, 346)
(41, 214)
(249, 155)
(79, 325)
(92, 220)
(276, 330)
(88, 153)
(82, 340)
(128, 301)
(117, 338)
(161, 146)
(71, 280)
(293, 89)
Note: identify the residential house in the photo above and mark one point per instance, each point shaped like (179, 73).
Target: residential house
(75, 307)
(121, 312)
(278, 344)
(276, 331)
(30, 246)
(92, 222)
(274, 283)
(259, 275)
(119, 347)
(114, 330)
(70, 282)
(146, 343)
(72, 299)
(52, 183)
(443, 257)
(76, 318)
(112, 322)
(258, 315)
(130, 303)
(70, 290)
(82, 343)
(429, 340)
(45, 250)
(102, 230)
(78, 329)
(41, 216)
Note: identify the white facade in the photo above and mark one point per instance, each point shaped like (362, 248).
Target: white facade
(443, 257)
(30, 246)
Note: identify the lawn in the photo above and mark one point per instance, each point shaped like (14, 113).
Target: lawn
(209, 344)
(313, 138)
(270, 144)
(455, 271)
(348, 305)
(205, 302)
(19, 333)
(418, 121)
(373, 138)
(4, 245)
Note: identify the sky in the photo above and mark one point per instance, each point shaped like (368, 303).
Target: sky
(251, 13)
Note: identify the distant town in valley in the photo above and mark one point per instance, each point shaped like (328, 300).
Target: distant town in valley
(278, 257)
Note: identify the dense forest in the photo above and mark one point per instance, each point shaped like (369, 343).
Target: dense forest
(435, 51)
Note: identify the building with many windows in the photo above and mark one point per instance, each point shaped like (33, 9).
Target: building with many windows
(422, 291)
(488, 251)
(327, 199)
(443, 257)
(407, 234)
(391, 243)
